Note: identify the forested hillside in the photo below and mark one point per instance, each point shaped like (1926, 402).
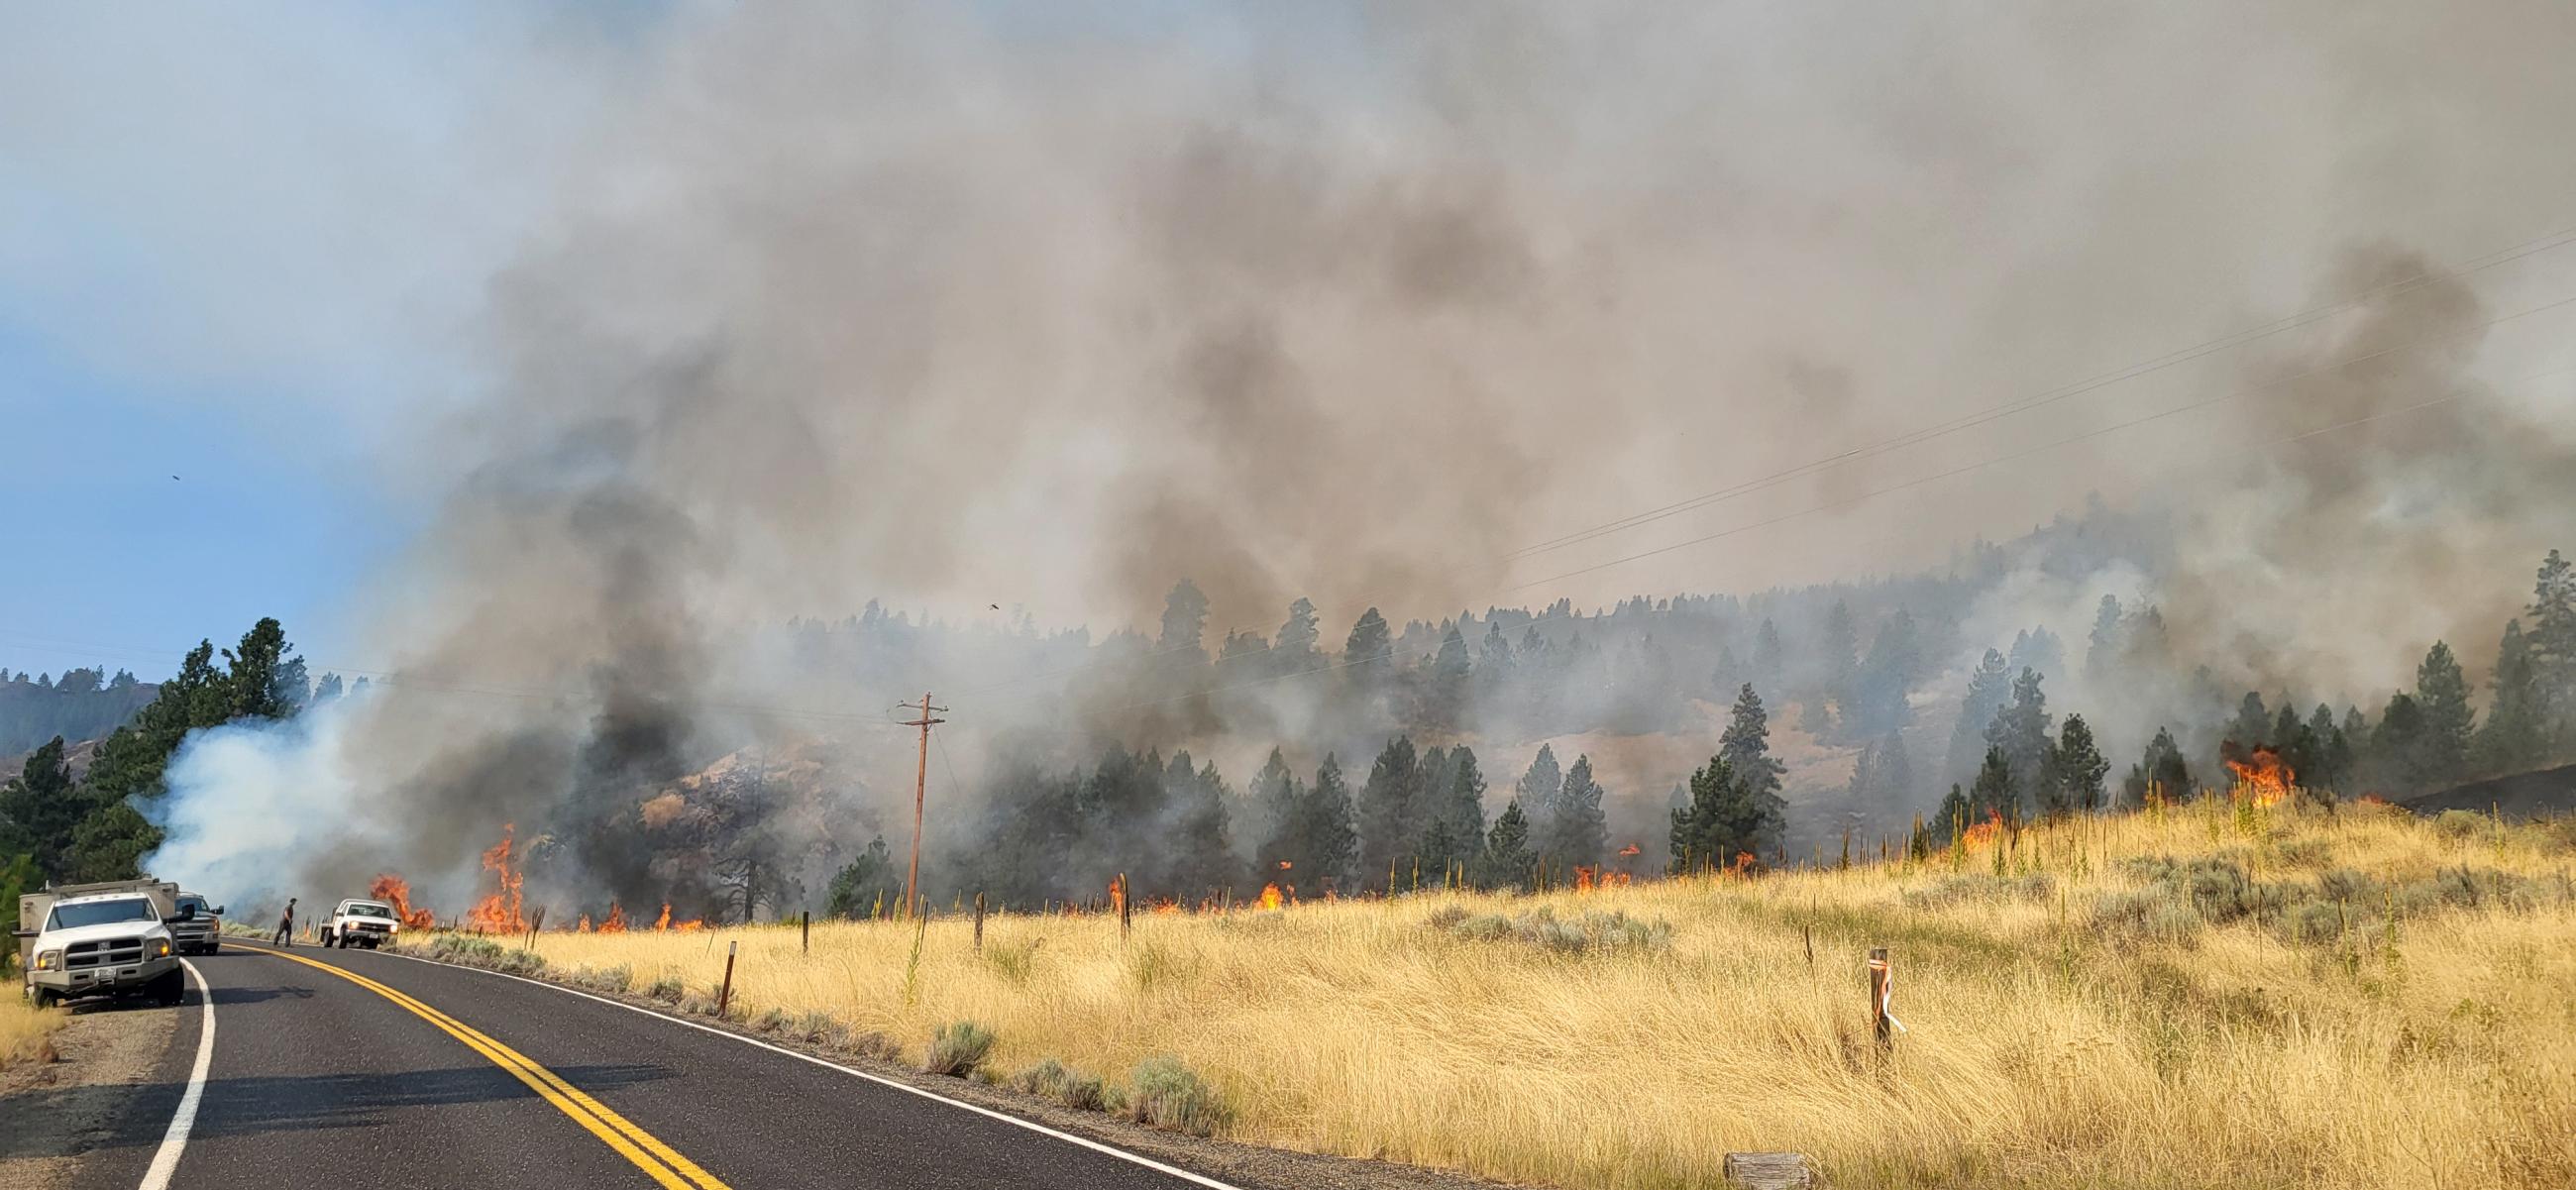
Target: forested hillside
(82, 704)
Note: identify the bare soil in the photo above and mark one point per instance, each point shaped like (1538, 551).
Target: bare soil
(58, 1110)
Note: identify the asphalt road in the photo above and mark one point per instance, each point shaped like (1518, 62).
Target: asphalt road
(447, 1077)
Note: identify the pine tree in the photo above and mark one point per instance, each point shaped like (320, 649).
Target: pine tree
(1325, 826)
(1537, 791)
(2553, 648)
(1989, 686)
(1293, 651)
(2103, 647)
(2020, 731)
(2252, 724)
(1507, 860)
(864, 883)
(1995, 790)
(1370, 644)
(1390, 809)
(2397, 746)
(2330, 758)
(2443, 693)
(1456, 831)
(1702, 836)
(1746, 745)
(266, 680)
(2079, 770)
(1768, 655)
(1577, 836)
(2162, 772)
(42, 810)
(2512, 740)
(1955, 815)
(1886, 677)
(1270, 810)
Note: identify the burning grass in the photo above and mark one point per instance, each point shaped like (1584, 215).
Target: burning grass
(2224, 994)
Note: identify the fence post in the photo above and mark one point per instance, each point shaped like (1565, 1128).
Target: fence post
(1126, 907)
(1881, 986)
(725, 996)
(805, 931)
(979, 923)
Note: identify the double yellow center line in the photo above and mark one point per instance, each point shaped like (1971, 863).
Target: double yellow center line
(658, 1160)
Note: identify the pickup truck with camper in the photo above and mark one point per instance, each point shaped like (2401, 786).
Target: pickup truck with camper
(203, 933)
(361, 923)
(110, 939)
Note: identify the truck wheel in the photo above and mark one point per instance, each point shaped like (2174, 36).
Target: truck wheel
(47, 998)
(214, 948)
(170, 989)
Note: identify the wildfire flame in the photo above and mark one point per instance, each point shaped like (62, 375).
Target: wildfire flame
(1984, 832)
(2261, 777)
(585, 923)
(1629, 850)
(392, 890)
(1117, 894)
(1284, 865)
(663, 922)
(502, 912)
(1270, 896)
(616, 923)
(1583, 879)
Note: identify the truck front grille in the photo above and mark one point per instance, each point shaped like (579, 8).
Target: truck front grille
(109, 952)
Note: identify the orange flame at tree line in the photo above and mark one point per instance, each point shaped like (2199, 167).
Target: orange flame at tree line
(1270, 896)
(616, 923)
(2261, 777)
(1984, 832)
(392, 890)
(1629, 850)
(502, 912)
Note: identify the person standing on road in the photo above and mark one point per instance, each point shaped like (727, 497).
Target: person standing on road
(286, 926)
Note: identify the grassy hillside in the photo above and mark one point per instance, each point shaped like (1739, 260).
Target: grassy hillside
(2216, 994)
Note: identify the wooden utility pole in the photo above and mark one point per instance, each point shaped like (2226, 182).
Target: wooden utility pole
(920, 787)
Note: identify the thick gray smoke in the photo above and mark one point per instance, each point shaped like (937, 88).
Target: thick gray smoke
(1015, 314)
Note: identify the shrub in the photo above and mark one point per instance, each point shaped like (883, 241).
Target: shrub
(601, 979)
(1168, 1095)
(1542, 928)
(2305, 853)
(771, 1021)
(958, 1048)
(2459, 824)
(666, 989)
(1072, 1088)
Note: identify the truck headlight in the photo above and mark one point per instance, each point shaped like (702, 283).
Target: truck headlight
(49, 960)
(161, 948)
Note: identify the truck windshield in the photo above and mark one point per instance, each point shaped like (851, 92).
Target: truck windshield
(365, 910)
(198, 902)
(99, 913)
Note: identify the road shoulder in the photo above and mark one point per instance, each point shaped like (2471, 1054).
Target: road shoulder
(104, 1087)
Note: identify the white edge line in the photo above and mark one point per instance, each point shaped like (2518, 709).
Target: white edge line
(881, 1080)
(165, 1161)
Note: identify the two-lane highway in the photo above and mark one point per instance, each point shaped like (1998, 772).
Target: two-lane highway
(349, 1069)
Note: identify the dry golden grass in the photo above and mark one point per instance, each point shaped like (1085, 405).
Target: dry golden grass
(25, 1032)
(2072, 1023)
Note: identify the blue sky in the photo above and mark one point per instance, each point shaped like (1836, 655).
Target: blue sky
(115, 563)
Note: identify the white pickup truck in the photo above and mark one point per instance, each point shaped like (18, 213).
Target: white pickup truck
(103, 940)
(361, 923)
